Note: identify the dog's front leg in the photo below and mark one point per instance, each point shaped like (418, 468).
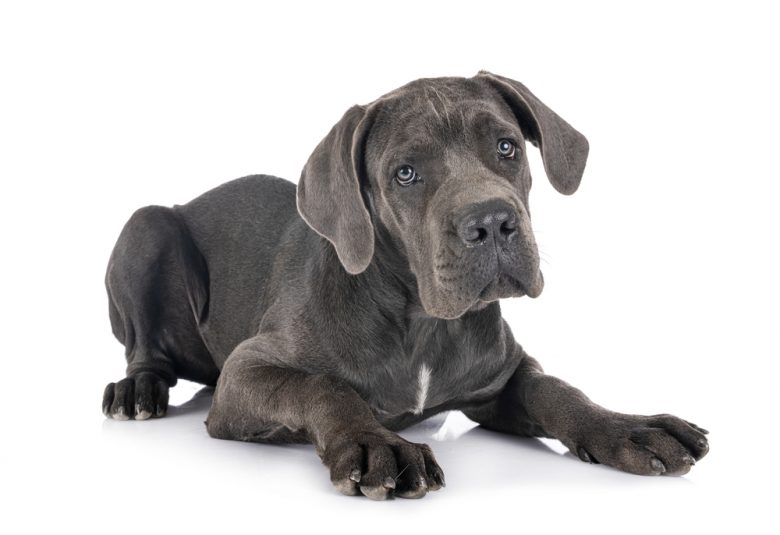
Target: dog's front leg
(261, 402)
(535, 404)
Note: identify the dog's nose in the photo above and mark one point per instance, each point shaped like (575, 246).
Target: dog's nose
(488, 222)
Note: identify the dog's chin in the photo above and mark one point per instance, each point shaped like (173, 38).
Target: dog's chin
(502, 286)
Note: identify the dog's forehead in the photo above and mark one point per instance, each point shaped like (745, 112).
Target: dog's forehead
(437, 97)
(435, 109)
(447, 88)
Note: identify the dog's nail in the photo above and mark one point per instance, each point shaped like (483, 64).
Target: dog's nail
(354, 475)
(657, 465)
(346, 487)
(389, 483)
(583, 455)
(374, 493)
(141, 414)
(418, 489)
(702, 443)
(689, 460)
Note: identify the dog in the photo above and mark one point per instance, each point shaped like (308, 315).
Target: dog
(368, 299)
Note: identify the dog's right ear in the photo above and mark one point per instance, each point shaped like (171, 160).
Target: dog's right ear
(329, 197)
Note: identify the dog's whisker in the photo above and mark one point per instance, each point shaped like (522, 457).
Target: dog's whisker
(401, 472)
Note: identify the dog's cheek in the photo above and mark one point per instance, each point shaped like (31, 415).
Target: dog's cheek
(403, 226)
(440, 301)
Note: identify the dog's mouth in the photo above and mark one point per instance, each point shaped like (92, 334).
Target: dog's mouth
(505, 285)
(470, 282)
(502, 285)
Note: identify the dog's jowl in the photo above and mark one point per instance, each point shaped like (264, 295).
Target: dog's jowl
(368, 299)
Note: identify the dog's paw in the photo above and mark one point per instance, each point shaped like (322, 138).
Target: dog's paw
(646, 445)
(141, 396)
(381, 464)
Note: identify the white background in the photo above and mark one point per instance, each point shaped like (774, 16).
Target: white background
(661, 291)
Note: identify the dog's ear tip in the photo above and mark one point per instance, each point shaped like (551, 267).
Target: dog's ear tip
(566, 172)
(567, 184)
(354, 268)
(568, 181)
(567, 189)
(355, 263)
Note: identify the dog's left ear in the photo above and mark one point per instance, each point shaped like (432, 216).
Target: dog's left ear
(564, 150)
(329, 197)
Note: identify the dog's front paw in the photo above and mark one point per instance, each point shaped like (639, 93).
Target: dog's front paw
(139, 396)
(380, 464)
(644, 445)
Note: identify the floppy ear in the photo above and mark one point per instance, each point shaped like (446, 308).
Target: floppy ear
(329, 197)
(564, 150)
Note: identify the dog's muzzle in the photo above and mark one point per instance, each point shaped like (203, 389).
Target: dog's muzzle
(501, 243)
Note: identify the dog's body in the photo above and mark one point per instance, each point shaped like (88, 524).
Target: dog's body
(359, 326)
(379, 307)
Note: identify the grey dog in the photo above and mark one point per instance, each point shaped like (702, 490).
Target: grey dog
(374, 305)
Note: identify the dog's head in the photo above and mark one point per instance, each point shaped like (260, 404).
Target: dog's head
(441, 164)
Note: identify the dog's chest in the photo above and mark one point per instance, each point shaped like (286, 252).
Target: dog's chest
(439, 363)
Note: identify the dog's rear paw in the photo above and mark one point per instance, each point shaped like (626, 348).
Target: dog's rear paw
(382, 464)
(140, 396)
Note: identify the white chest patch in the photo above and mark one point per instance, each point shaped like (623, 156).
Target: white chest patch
(423, 382)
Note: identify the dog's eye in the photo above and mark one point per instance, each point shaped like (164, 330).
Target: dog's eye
(506, 149)
(406, 175)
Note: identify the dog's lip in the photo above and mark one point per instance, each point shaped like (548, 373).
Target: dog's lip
(537, 285)
(493, 285)
(490, 292)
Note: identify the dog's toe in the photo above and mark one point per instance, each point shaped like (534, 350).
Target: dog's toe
(141, 397)
(644, 445)
(382, 465)
(416, 489)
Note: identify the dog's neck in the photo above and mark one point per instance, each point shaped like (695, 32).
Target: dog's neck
(391, 261)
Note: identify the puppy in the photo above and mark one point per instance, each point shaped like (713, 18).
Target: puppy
(375, 303)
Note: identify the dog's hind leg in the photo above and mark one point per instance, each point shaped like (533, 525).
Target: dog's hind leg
(157, 284)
